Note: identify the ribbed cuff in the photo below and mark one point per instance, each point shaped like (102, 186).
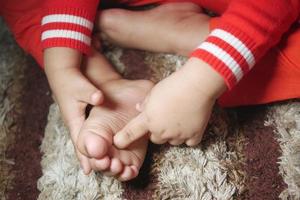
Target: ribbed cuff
(70, 43)
(229, 51)
(68, 23)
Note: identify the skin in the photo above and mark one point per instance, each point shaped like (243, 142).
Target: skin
(118, 108)
(195, 87)
(95, 138)
(184, 28)
(71, 89)
(177, 109)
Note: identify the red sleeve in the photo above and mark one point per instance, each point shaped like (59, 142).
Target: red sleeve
(244, 33)
(24, 21)
(68, 23)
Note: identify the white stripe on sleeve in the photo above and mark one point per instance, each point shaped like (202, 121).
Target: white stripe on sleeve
(60, 33)
(236, 43)
(63, 18)
(224, 57)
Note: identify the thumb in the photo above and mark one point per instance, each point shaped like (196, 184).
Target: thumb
(88, 93)
(134, 130)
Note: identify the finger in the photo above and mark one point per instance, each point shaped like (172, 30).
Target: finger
(84, 163)
(176, 142)
(134, 130)
(85, 90)
(74, 119)
(194, 140)
(88, 93)
(92, 164)
(74, 125)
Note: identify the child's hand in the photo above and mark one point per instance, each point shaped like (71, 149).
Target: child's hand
(177, 109)
(72, 91)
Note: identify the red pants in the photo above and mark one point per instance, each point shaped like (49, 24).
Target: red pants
(276, 77)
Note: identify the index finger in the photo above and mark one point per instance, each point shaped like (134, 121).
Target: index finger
(134, 130)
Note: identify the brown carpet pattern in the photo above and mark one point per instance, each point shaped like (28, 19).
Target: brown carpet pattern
(24, 104)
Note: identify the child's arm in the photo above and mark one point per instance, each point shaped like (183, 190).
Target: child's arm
(178, 108)
(62, 64)
(244, 33)
(66, 35)
(71, 89)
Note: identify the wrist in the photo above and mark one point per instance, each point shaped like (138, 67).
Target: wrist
(58, 58)
(205, 78)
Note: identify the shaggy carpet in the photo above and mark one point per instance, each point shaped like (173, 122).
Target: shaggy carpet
(247, 153)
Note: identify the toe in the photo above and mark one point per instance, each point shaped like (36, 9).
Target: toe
(135, 170)
(116, 167)
(93, 141)
(95, 145)
(102, 164)
(128, 173)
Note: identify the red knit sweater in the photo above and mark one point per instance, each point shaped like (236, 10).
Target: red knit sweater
(246, 30)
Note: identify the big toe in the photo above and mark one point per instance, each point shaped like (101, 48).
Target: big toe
(92, 143)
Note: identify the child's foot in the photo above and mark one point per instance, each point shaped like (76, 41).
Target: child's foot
(95, 138)
(173, 28)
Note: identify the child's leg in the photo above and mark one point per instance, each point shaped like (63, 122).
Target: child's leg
(182, 13)
(274, 78)
(218, 6)
(184, 27)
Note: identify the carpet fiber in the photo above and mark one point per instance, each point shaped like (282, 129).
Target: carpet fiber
(247, 153)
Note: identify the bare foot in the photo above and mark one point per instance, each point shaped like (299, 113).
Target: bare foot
(95, 137)
(172, 28)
